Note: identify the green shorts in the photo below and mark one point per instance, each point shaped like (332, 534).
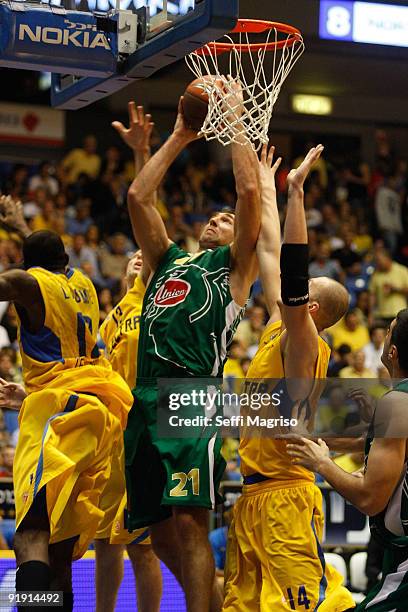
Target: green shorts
(166, 472)
(391, 593)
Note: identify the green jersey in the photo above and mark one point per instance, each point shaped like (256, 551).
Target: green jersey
(390, 528)
(189, 316)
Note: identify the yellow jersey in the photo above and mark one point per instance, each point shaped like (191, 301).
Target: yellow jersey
(120, 333)
(265, 455)
(68, 337)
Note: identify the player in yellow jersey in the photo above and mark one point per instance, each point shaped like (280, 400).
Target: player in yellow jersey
(70, 422)
(274, 560)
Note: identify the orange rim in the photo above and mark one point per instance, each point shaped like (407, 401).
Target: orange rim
(254, 26)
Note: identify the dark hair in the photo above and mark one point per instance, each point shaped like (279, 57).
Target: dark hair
(399, 338)
(344, 349)
(46, 250)
(224, 210)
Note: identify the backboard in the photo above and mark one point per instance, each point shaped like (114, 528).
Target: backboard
(97, 47)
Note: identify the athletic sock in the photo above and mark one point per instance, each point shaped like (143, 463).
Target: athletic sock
(68, 602)
(33, 576)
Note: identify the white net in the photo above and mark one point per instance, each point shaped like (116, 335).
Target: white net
(259, 69)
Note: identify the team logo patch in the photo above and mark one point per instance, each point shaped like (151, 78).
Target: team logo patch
(172, 292)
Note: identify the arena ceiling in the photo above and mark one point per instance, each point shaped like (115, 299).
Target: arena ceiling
(348, 70)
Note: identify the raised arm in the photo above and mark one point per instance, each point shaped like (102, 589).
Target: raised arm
(371, 492)
(269, 241)
(137, 135)
(148, 227)
(301, 342)
(12, 216)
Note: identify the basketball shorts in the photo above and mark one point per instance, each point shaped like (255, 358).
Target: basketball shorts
(166, 472)
(274, 558)
(113, 502)
(391, 594)
(67, 442)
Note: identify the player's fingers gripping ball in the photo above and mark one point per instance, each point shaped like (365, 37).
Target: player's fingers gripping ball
(196, 100)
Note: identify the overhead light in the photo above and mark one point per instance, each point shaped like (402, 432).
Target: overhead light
(312, 105)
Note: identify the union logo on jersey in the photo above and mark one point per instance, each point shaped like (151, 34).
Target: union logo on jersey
(172, 292)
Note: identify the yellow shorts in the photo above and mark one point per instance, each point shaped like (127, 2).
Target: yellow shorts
(67, 442)
(113, 503)
(274, 559)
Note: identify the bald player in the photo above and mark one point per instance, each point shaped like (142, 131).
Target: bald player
(274, 559)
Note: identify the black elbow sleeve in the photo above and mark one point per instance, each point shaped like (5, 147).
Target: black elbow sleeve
(294, 264)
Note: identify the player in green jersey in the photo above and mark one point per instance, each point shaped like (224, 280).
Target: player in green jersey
(192, 306)
(382, 491)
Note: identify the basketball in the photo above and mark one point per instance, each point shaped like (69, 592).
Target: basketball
(195, 103)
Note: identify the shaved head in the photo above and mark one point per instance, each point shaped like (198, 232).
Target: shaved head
(332, 298)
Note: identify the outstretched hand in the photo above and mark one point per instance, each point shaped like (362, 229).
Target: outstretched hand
(297, 177)
(268, 169)
(12, 215)
(137, 135)
(12, 395)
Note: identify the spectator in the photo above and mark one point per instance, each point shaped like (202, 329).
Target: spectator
(349, 331)
(82, 221)
(346, 254)
(44, 220)
(59, 226)
(218, 541)
(7, 460)
(84, 258)
(82, 161)
(112, 163)
(388, 288)
(7, 369)
(176, 226)
(331, 222)
(323, 265)
(357, 179)
(356, 281)
(388, 214)
(93, 238)
(363, 240)
(249, 331)
(333, 411)
(357, 369)
(114, 262)
(363, 306)
(373, 350)
(105, 303)
(383, 384)
(16, 185)
(232, 367)
(44, 179)
(314, 217)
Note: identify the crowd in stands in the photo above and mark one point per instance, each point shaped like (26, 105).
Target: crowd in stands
(357, 221)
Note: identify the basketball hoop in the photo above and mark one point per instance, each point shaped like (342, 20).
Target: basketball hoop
(260, 68)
